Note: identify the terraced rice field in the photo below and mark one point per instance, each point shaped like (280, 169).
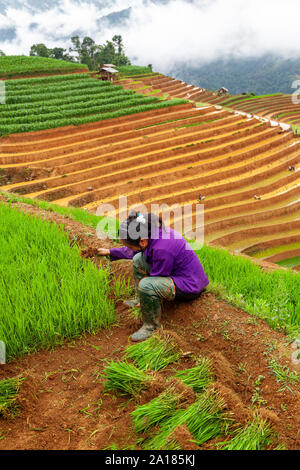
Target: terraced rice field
(170, 155)
(21, 66)
(278, 106)
(50, 102)
(275, 107)
(161, 85)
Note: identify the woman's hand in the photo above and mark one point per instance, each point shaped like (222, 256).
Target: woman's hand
(103, 252)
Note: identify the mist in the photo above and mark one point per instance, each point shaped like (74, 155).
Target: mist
(160, 32)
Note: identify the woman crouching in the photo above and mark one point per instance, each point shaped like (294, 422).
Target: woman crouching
(164, 267)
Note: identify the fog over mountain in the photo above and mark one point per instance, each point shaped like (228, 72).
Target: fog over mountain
(173, 35)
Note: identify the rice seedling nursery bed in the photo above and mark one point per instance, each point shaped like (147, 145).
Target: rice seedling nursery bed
(48, 293)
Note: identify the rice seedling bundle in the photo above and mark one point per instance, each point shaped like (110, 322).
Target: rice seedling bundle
(204, 419)
(155, 353)
(9, 390)
(126, 378)
(257, 435)
(199, 377)
(156, 411)
(163, 437)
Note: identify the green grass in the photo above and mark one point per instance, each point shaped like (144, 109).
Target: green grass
(274, 250)
(79, 215)
(283, 374)
(290, 262)
(296, 129)
(231, 101)
(155, 353)
(132, 70)
(24, 65)
(273, 296)
(9, 390)
(47, 292)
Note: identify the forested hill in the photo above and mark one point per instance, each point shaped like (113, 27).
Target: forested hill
(267, 74)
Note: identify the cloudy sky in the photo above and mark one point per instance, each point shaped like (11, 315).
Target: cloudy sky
(160, 32)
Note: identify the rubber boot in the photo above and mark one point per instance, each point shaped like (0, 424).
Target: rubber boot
(151, 314)
(143, 333)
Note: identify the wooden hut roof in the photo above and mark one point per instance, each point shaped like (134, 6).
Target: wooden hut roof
(109, 69)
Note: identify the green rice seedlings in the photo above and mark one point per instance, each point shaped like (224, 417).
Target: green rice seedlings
(163, 438)
(126, 378)
(206, 418)
(156, 411)
(155, 353)
(283, 374)
(257, 435)
(280, 446)
(199, 377)
(9, 390)
(48, 293)
(180, 439)
(172, 444)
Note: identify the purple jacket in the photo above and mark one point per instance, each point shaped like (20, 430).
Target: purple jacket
(170, 258)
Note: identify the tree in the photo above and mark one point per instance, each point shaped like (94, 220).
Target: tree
(118, 43)
(88, 51)
(120, 57)
(61, 54)
(76, 47)
(106, 53)
(2, 53)
(40, 50)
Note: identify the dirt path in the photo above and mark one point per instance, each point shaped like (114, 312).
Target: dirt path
(63, 403)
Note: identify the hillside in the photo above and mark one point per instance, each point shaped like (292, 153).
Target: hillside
(169, 155)
(23, 66)
(276, 107)
(73, 99)
(259, 75)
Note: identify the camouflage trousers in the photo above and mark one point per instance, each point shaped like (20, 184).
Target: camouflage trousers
(151, 290)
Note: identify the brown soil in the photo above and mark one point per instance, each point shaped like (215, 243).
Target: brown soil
(63, 404)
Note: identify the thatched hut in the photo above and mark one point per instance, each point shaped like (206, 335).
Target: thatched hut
(108, 72)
